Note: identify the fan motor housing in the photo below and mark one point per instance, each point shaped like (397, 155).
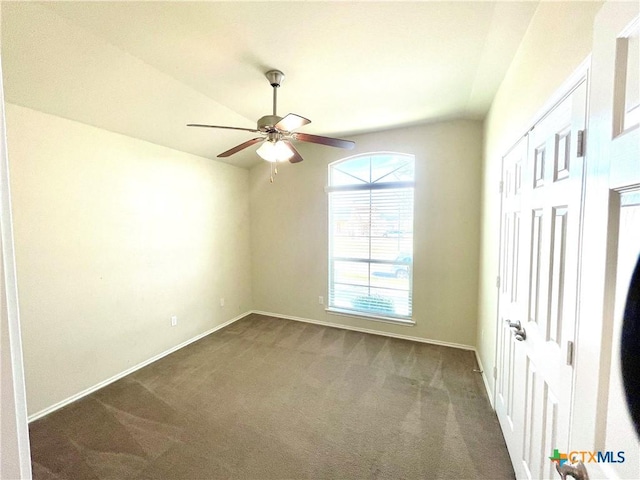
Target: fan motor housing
(275, 77)
(268, 122)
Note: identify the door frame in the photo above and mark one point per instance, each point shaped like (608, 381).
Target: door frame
(15, 459)
(600, 230)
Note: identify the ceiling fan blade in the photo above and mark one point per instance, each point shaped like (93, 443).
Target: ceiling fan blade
(242, 146)
(332, 142)
(226, 128)
(296, 155)
(291, 121)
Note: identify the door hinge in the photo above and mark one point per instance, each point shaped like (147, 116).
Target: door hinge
(581, 143)
(495, 372)
(498, 281)
(569, 353)
(501, 186)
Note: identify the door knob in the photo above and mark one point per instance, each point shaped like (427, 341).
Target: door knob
(577, 471)
(518, 331)
(517, 325)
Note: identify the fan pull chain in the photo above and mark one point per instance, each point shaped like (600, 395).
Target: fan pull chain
(271, 167)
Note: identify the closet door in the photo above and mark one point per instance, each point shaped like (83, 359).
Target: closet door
(509, 393)
(542, 197)
(552, 242)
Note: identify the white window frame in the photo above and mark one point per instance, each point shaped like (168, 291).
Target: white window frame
(332, 309)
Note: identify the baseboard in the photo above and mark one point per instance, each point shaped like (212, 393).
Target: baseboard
(120, 375)
(484, 380)
(366, 330)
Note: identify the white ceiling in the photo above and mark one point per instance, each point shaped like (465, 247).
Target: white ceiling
(146, 69)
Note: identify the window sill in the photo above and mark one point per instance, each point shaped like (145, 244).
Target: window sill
(377, 318)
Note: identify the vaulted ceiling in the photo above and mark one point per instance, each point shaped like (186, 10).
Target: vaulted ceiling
(146, 69)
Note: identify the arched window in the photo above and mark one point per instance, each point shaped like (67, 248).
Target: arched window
(371, 235)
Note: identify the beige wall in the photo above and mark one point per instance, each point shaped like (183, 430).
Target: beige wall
(289, 231)
(557, 41)
(114, 236)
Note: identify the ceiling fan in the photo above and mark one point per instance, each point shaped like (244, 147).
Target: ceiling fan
(276, 132)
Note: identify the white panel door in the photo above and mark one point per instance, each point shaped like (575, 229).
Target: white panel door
(510, 358)
(555, 174)
(542, 195)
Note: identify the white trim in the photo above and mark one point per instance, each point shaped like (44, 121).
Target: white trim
(120, 375)
(366, 330)
(484, 379)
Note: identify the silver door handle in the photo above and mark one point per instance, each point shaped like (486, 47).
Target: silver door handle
(518, 331)
(515, 324)
(577, 471)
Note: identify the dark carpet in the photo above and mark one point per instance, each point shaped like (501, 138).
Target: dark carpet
(267, 398)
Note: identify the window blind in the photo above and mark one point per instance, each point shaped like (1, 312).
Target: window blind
(371, 240)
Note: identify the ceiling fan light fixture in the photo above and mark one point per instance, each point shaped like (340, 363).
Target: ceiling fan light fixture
(278, 132)
(275, 151)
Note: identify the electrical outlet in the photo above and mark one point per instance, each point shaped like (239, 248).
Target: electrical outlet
(174, 321)
(222, 301)
(321, 300)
